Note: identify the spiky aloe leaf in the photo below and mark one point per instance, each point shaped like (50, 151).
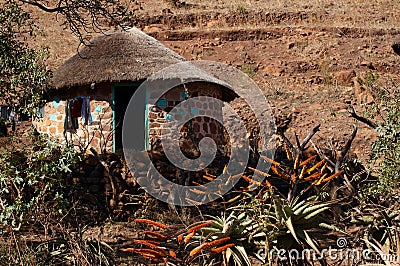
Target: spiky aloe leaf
(241, 216)
(332, 228)
(240, 256)
(288, 212)
(290, 226)
(365, 220)
(316, 212)
(210, 230)
(314, 246)
(228, 254)
(247, 222)
(278, 208)
(311, 242)
(315, 209)
(299, 207)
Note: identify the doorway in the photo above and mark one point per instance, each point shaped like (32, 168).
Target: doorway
(121, 96)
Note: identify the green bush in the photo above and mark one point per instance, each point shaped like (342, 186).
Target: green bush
(385, 151)
(23, 72)
(32, 180)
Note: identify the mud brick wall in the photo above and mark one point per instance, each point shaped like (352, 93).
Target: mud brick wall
(97, 135)
(161, 120)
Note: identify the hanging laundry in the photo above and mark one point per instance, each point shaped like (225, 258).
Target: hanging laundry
(70, 123)
(4, 113)
(40, 112)
(76, 107)
(11, 114)
(85, 113)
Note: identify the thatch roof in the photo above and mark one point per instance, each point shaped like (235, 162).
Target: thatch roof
(118, 55)
(184, 72)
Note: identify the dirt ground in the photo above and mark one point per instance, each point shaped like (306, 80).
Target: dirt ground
(304, 55)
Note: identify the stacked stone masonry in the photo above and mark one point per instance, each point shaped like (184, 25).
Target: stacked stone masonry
(97, 135)
(205, 124)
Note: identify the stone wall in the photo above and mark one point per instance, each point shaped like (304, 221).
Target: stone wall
(202, 126)
(98, 134)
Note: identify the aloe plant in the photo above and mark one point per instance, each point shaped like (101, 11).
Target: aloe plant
(243, 235)
(225, 240)
(378, 227)
(298, 219)
(298, 224)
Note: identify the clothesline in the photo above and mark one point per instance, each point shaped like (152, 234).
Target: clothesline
(75, 108)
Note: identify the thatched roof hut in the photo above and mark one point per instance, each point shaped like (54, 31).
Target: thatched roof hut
(104, 76)
(117, 56)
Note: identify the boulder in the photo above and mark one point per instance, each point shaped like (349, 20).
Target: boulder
(345, 77)
(396, 46)
(273, 71)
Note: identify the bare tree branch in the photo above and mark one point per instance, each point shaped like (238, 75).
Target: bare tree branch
(297, 141)
(321, 154)
(353, 114)
(340, 159)
(84, 16)
(309, 136)
(345, 150)
(286, 140)
(107, 171)
(43, 7)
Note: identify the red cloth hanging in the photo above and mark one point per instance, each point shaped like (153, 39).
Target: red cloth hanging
(76, 108)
